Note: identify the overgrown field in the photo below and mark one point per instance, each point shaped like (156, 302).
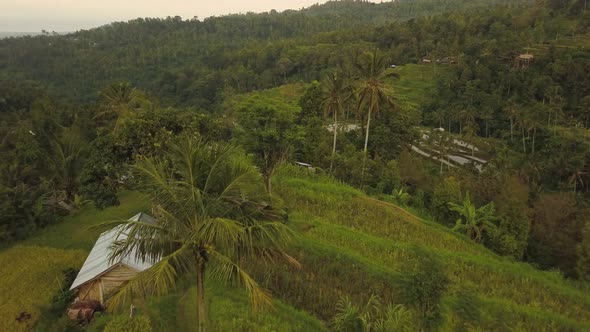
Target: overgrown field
(285, 97)
(353, 245)
(348, 244)
(30, 277)
(416, 83)
(32, 272)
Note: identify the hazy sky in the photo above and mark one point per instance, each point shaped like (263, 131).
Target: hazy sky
(70, 15)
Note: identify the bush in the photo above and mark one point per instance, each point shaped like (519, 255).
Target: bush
(126, 324)
(444, 193)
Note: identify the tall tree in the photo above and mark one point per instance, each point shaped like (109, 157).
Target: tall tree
(335, 92)
(373, 90)
(120, 99)
(212, 214)
(66, 158)
(269, 134)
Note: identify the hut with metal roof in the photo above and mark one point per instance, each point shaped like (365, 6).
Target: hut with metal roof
(99, 275)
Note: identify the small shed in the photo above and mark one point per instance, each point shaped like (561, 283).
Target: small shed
(524, 60)
(99, 276)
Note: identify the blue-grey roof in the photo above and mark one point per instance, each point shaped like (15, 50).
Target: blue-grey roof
(97, 262)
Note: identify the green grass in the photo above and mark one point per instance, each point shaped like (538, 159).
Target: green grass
(285, 97)
(339, 224)
(35, 275)
(348, 244)
(228, 309)
(32, 270)
(30, 277)
(416, 83)
(77, 231)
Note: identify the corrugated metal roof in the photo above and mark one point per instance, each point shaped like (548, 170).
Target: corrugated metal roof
(97, 262)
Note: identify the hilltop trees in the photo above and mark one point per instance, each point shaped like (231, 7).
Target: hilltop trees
(212, 213)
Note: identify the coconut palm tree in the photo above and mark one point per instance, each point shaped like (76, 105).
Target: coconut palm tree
(65, 159)
(373, 90)
(120, 99)
(335, 92)
(212, 215)
(510, 110)
(473, 220)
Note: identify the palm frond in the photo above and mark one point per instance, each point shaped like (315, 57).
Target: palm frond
(225, 270)
(158, 280)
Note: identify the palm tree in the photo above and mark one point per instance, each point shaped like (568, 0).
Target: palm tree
(66, 158)
(373, 90)
(474, 220)
(212, 214)
(120, 99)
(373, 317)
(510, 110)
(334, 93)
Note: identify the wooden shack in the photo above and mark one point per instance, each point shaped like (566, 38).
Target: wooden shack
(524, 60)
(100, 275)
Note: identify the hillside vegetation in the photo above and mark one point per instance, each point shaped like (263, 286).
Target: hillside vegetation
(348, 244)
(444, 181)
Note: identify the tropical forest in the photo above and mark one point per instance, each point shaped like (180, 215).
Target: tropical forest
(409, 165)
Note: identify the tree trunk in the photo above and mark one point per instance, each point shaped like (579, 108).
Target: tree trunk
(334, 145)
(367, 132)
(534, 134)
(365, 150)
(201, 315)
(268, 183)
(523, 142)
(511, 129)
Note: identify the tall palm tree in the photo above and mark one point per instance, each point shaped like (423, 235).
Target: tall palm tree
(212, 214)
(66, 158)
(473, 220)
(510, 110)
(335, 92)
(373, 90)
(120, 99)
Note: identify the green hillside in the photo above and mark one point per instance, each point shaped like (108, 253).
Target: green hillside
(348, 244)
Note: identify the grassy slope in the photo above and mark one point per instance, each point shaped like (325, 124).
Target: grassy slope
(348, 244)
(341, 225)
(37, 264)
(283, 97)
(416, 83)
(34, 267)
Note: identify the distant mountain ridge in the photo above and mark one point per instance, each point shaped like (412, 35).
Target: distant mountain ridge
(8, 34)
